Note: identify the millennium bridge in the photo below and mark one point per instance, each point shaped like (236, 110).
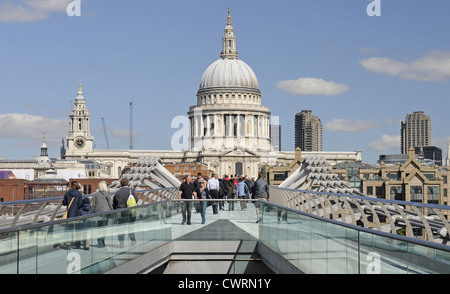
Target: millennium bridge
(313, 224)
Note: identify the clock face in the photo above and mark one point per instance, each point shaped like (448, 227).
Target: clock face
(79, 143)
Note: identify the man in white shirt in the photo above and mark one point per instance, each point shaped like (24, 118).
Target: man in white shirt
(213, 187)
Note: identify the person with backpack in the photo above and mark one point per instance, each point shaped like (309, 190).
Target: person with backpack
(120, 201)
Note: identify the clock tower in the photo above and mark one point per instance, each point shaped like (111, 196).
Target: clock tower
(79, 141)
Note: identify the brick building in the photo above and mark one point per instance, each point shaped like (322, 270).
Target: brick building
(181, 170)
(12, 189)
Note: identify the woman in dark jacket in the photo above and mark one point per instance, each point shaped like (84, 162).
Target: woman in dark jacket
(73, 200)
(203, 193)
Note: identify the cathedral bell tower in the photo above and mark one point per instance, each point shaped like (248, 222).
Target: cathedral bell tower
(79, 141)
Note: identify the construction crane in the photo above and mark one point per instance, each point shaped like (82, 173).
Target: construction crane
(131, 125)
(106, 135)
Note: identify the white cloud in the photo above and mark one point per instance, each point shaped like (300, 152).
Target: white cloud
(434, 66)
(30, 128)
(30, 10)
(346, 125)
(386, 142)
(312, 86)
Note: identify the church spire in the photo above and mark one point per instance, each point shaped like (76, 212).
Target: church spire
(229, 41)
(80, 92)
(79, 139)
(80, 115)
(44, 149)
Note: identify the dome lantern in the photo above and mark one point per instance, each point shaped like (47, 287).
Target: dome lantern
(229, 72)
(229, 41)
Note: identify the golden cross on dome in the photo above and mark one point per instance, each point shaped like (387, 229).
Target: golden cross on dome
(79, 87)
(229, 17)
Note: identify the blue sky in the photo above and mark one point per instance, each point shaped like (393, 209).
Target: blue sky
(361, 75)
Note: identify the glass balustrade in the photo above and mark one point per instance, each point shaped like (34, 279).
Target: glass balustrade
(313, 244)
(316, 245)
(77, 246)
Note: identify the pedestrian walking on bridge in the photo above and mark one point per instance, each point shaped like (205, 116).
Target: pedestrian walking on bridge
(187, 191)
(260, 192)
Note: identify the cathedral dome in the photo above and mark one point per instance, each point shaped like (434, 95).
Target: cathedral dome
(229, 114)
(229, 73)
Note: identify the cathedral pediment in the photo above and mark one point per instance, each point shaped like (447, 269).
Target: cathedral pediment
(238, 152)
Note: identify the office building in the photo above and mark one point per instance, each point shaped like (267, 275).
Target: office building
(275, 134)
(415, 131)
(308, 131)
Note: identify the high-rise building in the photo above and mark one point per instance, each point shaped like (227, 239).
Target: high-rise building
(415, 131)
(308, 131)
(275, 133)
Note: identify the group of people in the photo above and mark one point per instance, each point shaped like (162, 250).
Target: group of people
(78, 205)
(241, 187)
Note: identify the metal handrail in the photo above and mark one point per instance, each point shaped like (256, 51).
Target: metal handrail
(386, 214)
(22, 217)
(363, 229)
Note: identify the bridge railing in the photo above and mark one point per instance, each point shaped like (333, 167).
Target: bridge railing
(75, 245)
(26, 212)
(318, 245)
(46, 247)
(312, 243)
(411, 219)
